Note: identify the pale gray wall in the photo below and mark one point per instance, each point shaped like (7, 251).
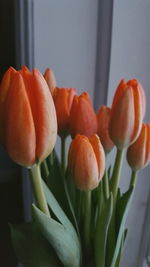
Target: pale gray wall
(130, 58)
(65, 39)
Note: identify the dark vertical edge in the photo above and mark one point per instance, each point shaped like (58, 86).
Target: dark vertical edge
(25, 56)
(24, 11)
(104, 36)
(144, 248)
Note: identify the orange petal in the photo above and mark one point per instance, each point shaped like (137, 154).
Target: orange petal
(19, 126)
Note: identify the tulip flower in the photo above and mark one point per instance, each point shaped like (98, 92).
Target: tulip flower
(63, 99)
(50, 79)
(138, 154)
(86, 161)
(82, 117)
(5, 84)
(128, 109)
(103, 118)
(28, 117)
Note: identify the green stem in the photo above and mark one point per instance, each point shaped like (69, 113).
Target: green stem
(63, 155)
(114, 188)
(36, 181)
(87, 219)
(100, 197)
(46, 170)
(133, 180)
(106, 185)
(116, 173)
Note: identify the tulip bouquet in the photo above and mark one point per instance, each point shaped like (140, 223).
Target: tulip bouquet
(79, 212)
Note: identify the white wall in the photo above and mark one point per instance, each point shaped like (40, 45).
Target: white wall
(130, 58)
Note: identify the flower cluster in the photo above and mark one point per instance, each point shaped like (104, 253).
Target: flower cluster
(33, 110)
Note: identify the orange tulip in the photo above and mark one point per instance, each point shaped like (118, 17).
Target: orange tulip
(28, 117)
(82, 117)
(63, 99)
(138, 154)
(50, 79)
(103, 118)
(128, 109)
(86, 161)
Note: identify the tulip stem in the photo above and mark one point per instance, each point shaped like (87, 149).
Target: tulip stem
(63, 155)
(116, 173)
(114, 189)
(133, 179)
(87, 220)
(36, 181)
(106, 185)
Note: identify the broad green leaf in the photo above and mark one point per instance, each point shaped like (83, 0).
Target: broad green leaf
(31, 248)
(59, 213)
(122, 211)
(101, 233)
(66, 245)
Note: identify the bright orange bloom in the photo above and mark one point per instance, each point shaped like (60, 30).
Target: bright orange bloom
(50, 79)
(82, 117)
(86, 161)
(138, 154)
(128, 109)
(28, 117)
(103, 118)
(63, 99)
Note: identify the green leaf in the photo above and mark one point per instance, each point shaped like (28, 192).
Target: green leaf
(102, 231)
(55, 183)
(31, 248)
(122, 212)
(64, 243)
(121, 248)
(59, 213)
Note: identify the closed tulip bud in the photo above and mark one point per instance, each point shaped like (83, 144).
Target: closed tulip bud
(138, 154)
(29, 125)
(5, 84)
(103, 118)
(63, 99)
(128, 109)
(50, 79)
(86, 161)
(82, 117)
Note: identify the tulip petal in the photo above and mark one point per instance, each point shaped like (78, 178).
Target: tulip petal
(19, 126)
(99, 153)
(122, 119)
(5, 84)
(83, 119)
(45, 117)
(86, 169)
(136, 152)
(138, 111)
(50, 79)
(63, 99)
(103, 119)
(147, 154)
(119, 91)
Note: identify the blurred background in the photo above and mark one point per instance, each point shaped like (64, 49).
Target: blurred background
(90, 45)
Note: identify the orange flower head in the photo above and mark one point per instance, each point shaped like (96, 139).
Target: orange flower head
(50, 79)
(128, 110)
(86, 161)
(103, 118)
(28, 117)
(63, 99)
(83, 119)
(138, 154)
